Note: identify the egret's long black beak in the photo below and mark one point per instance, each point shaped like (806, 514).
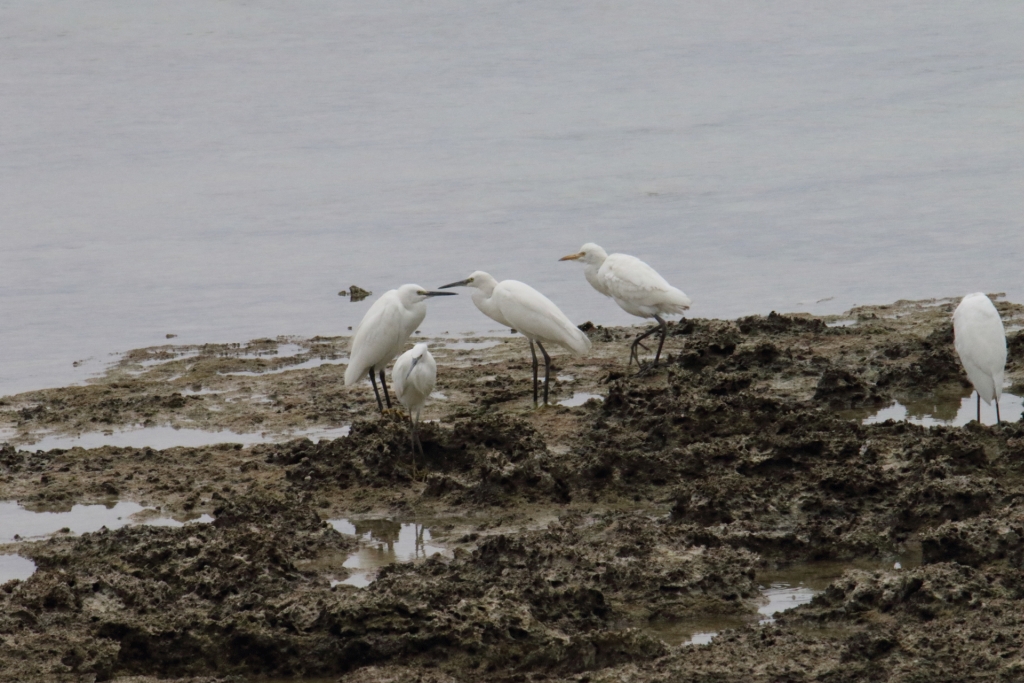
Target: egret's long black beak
(417, 358)
(460, 283)
(441, 293)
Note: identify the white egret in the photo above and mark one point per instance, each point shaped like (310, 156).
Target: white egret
(636, 288)
(980, 342)
(521, 307)
(383, 332)
(413, 377)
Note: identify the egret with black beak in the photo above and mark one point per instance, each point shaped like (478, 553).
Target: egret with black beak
(413, 377)
(521, 307)
(383, 332)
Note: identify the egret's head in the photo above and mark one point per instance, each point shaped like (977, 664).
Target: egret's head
(478, 279)
(413, 294)
(589, 253)
(418, 350)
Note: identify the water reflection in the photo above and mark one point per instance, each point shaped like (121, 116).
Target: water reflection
(781, 590)
(305, 365)
(466, 345)
(950, 407)
(170, 437)
(384, 542)
(579, 398)
(18, 523)
(782, 596)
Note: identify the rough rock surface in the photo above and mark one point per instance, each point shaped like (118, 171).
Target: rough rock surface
(577, 537)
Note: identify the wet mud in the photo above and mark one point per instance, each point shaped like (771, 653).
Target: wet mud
(575, 537)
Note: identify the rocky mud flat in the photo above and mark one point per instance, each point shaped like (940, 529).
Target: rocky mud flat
(581, 542)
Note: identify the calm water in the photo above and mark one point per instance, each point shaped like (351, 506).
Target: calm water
(220, 170)
(385, 542)
(29, 524)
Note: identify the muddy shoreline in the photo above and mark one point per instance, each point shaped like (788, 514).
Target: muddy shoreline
(582, 542)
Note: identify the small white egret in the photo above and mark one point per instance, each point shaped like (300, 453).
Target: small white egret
(413, 378)
(980, 342)
(383, 332)
(636, 288)
(521, 307)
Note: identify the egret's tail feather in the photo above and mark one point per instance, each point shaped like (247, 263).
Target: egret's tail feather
(580, 343)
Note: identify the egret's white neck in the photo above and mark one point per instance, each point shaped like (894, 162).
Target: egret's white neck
(591, 266)
(483, 289)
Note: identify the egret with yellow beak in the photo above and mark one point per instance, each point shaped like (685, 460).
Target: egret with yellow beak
(636, 288)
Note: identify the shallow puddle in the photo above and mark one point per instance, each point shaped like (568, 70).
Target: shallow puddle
(153, 362)
(171, 437)
(15, 567)
(384, 542)
(781, 590)
(202, 391)
(471, 345)
(782, 596)
(579, 398)
(286, 350)
(312, 363)
(954, 409)
(17, 523)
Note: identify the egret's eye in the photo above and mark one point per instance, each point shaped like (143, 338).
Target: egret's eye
(422, 293)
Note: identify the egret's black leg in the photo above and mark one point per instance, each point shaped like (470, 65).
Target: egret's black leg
(412, 444)
(979, 407)
(419, 443)
(534, 352)
(373, 381)
(998, 421)
(547, 371)
(664, 333)
(384, 386)
(633, 353)
(640, 338)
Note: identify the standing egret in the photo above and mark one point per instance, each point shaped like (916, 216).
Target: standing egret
(980, 342)
(383, 332)
(521, 307)
(636, 288)
(413, 377)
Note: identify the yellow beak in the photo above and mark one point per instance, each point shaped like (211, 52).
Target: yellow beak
(572, 257)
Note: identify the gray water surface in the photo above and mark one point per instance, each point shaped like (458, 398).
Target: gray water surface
(15, 567)
(220, 170)
(161, 437)
(780, 590)
(19, 523)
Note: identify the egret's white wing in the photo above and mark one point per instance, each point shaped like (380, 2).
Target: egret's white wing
(980, 341)
(400, 372)
(533, 314)
(422, 378)
(413, 378)
(638, 288)
(378, 339)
